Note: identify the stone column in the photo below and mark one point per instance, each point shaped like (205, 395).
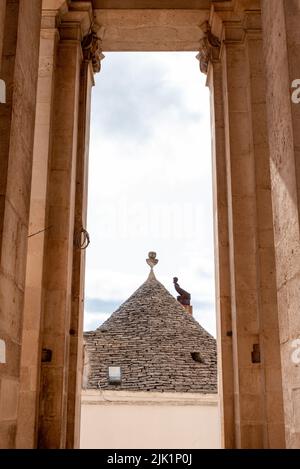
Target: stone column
(19, 69)
(31, 340)
(80, 243)
(282, 67)
(66, 206)
(256, 358)
(245, 225)
(59, 248)
(210, 63)
(274, 433)
(2, 19)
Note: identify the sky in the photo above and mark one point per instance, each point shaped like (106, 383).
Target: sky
(150, 182)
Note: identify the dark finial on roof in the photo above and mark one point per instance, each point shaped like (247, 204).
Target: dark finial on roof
(184, 297)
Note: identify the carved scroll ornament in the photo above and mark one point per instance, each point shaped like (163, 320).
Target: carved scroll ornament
(91, 47)
(209, 47)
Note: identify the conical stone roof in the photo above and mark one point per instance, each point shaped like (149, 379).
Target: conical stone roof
(153, 339)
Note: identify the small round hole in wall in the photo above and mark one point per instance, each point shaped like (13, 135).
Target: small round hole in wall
(197, 357)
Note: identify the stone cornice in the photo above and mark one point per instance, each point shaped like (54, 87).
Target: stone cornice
(219, 32)
(234, 9)
(236, 31)
(106, 397)
(51, 17)
(76, 23)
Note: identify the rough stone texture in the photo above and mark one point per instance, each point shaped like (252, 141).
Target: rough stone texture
(59, 247)
(153, 4)
(31, 356)
(143, 30)
(20, 26)
(282, 60)
(2, 19)
(151, 337)
(223, 294)
(77, 307)
(62, 315)
(251, 270)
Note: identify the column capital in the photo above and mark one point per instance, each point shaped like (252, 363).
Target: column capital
(236, 31)
(92, 51)
(209, 48)
(52, 11)
(77, 24)
(220, 30)
(77, 21)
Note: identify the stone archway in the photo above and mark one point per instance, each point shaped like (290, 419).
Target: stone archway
(255, 204)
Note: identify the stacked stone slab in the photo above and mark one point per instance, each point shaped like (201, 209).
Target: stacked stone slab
(152, 338)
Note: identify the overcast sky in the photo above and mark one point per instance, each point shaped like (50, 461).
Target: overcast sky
(150, 183)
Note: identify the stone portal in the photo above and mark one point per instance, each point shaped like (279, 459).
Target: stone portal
(49, 53)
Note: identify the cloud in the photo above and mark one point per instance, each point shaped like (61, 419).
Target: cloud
(150, 182)
(136, 91)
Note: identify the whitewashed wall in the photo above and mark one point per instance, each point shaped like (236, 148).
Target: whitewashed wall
(121, 419)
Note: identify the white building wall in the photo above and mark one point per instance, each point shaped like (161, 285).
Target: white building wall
(121, 419)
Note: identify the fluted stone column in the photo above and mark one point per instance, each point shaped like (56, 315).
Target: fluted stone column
(92, 57)
(258, 400)
(2, 20)
(80, 244)
(31, 342)
(59, 247)
(282, 67)
(258, 409)
(63, 276)
(271, 376)
(223, 300)
(19, 47)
